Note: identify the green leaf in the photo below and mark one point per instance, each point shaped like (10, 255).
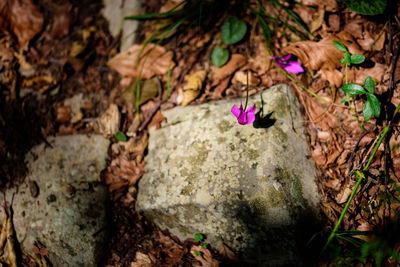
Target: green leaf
(367, 111)
(340, 46)
(219, 56)
(343, 100)
(357, 59)
(233, 30)
(341, 61)
(197, 253)
(369, 84)
(120, 136)
(198, 237)
(347, 58)
(367, 7)
(353, 89)
(204, 245)
(374, 103)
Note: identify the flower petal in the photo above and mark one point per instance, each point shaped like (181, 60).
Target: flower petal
(242, 119)
(251, 117)
(293, 67)
(251, 109)
(235, 111)
(287, 57)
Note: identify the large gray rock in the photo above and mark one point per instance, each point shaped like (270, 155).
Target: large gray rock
(62, 203)
(252, 188)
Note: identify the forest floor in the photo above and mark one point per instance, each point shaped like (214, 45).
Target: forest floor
(57, 49)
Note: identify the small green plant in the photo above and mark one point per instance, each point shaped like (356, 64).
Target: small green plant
(372, 106)
(367, 7)
(348, 59)
(120, 136)
(199, 238)
(233, 30)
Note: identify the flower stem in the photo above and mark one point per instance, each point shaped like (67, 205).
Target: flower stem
(304, 88)
(247, 89)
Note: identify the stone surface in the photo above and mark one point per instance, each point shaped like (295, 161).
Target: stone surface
(252, 188)
(115, 11)
(62, 203)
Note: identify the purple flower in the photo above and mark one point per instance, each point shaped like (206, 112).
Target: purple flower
(243, 116)
(291, 66)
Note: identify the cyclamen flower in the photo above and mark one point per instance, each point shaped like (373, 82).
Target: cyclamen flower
(291, 66)
(243, 116)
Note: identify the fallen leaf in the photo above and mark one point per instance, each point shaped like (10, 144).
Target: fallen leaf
(241, 77)
(323, 55)
(170, 4)
(109, 121)
(141, 260)
(22, 18)
(376, 72)
(122, 172)
(205, 258)
(226, 252)
(193, 86)
(334, 22)
(63, 114)
(157, 119)
(318, 19)
(63, 16)
(154, 60)
(330, 5)
(148, 90)
(236, 61)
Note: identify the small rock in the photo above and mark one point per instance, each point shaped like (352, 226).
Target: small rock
(251, 187)
(69, 227)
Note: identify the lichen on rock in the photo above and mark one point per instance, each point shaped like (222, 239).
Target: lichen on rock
(247, 187)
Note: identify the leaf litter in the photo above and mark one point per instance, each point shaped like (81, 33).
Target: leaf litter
(332, 127)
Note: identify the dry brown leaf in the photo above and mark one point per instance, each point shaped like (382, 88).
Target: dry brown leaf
(344, 195)
(236, 61)
(63, 16)
(330, 5)
(3, 235)
(260, 63)
(241, 77)
(323, 55)
(63, 114)
(141, 260)
(318, 19)
(205, 258)
(193, 87)
(334, 22)
(354, 27)
(174, 251)
(22, 18)
(154, 60)
(122, 172)
(109, 122)
(226, 252)
(375, 72)
(170, 4)
(11, 242)
(157, 119)
(334, 76)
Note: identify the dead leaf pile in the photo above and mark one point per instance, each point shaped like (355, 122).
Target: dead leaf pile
(21, 18)
(144, 63)
(193, 86)
(122, 171)
(324, 56)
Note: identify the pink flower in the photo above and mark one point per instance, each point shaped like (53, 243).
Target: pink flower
(243, 116)
(291, 66)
